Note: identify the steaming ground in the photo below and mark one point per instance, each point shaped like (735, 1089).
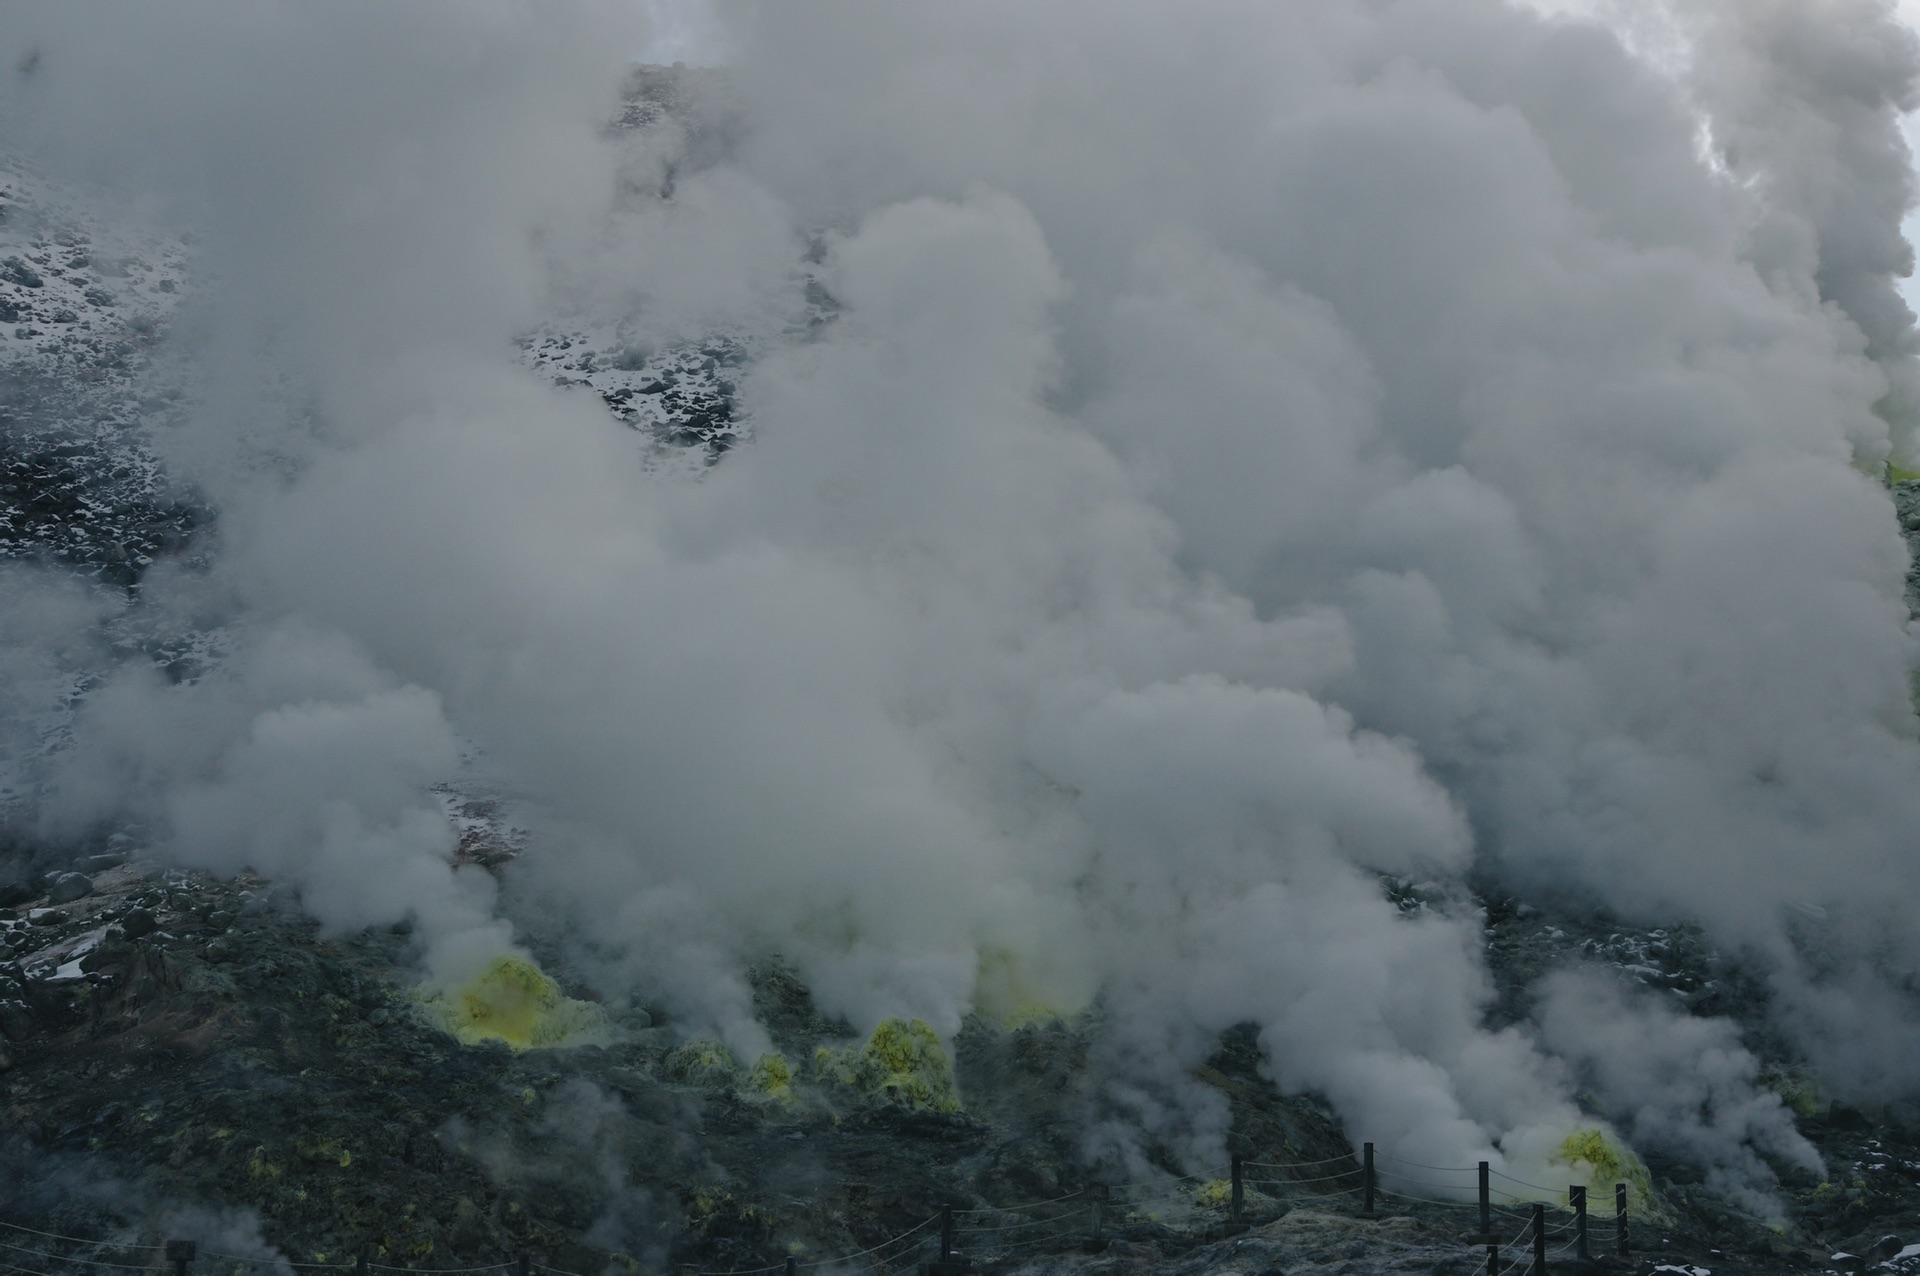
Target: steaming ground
(1091, 521)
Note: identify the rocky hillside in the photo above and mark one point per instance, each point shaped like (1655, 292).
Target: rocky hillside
(187, 1056)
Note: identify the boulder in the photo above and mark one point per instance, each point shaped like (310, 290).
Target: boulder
(16, 1020)
(68, 887)
(1883, 1248)
(1842, 1117)
(109, 953)
(16, 271)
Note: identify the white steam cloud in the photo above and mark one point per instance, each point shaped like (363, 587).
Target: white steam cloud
(1258, 448)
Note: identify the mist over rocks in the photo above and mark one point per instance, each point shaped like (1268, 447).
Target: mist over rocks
(1198, 463)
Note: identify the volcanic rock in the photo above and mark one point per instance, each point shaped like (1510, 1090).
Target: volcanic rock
(68, 887)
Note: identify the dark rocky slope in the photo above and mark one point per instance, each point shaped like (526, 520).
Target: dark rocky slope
(180, 1049)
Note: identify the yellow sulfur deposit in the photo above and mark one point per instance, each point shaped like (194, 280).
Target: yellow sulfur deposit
(1216, 1194)
(773, 1077)
(1796, 1087)
(701, 1061)
(1006, 991)
(903, 1061)
(513, 1000)
(1603, 1161)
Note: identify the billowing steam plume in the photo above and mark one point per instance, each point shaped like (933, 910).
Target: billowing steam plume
(1249, 449)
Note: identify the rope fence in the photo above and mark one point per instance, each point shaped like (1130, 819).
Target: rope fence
(1223, 1201)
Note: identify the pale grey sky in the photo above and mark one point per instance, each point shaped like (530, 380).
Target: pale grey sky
(685, 31)
(1910, 12)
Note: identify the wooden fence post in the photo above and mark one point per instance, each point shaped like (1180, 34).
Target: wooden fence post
(1577, 1197)
(1237, 1203)
(1097, 1196)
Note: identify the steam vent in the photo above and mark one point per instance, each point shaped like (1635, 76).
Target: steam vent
(1047, 637)
(512, 1001)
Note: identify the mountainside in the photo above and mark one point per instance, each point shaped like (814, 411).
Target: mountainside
(186, 1055)
(964, 684)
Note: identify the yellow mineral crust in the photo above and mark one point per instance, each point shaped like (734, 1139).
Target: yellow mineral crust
(903, 1061)
(1009, 990)
(1604, 1161)
(514, 1001)
(772, 1076)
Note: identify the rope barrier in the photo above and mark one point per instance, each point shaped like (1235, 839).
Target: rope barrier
(68, 1258)
(1445, 1187)
(1378, 1155)
(313, 1267)
(918, 1227)
(1303, 1165)
(1029, 1205)
(781, 1266)
(1510, 1213)
(1421, 1200)
(55, 1236)
(23, 1271)
(1511, 1200)
(1523, 1183)
(1324, 1178)
(1172, 1193)
(1320, 1196)
(1071, 1210)
(1034, 1243)
(1031, 1222)
(1213, 1175)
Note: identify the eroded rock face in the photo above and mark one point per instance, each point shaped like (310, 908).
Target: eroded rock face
(83, 308)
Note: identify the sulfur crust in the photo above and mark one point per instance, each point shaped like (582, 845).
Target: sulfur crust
(513, 1001)
(903, 1061)
(1605, 1162)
